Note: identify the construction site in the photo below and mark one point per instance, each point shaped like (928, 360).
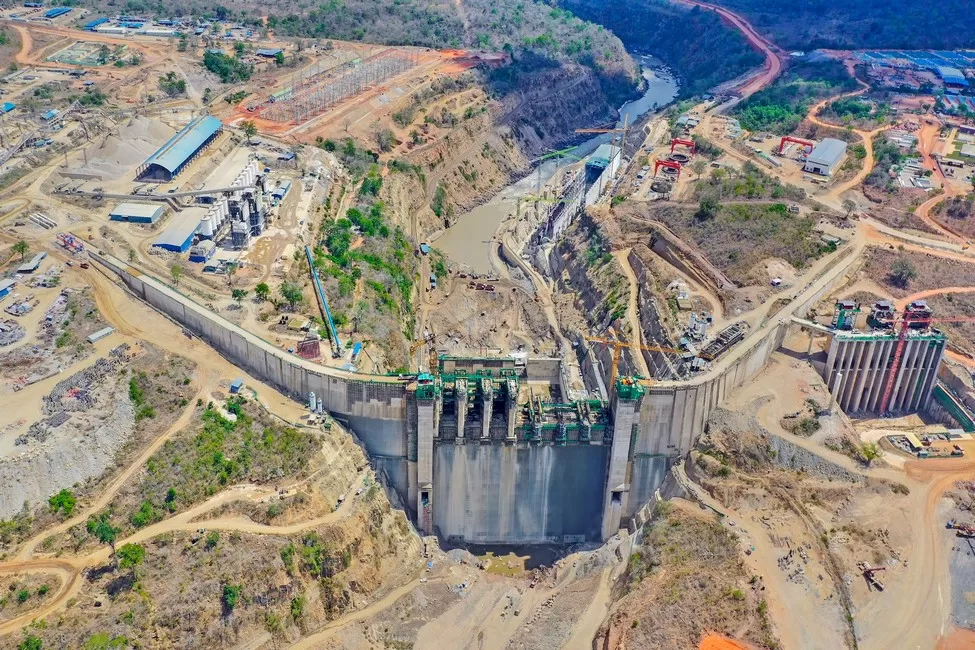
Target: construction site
(344, 328)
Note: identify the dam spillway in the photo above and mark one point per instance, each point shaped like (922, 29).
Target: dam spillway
(512, 461)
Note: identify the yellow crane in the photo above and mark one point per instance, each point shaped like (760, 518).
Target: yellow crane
(623, 129)
(621, 345)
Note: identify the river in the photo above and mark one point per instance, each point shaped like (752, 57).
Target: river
(468, 241)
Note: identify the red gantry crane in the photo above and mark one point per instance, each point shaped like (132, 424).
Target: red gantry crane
(805, 143)
(668, 164)
(687, 143)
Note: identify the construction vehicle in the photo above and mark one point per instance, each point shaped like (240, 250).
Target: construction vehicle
(622, 345)
(869, 574)
(961, 530)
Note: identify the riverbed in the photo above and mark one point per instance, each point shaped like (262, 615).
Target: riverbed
(468, 241)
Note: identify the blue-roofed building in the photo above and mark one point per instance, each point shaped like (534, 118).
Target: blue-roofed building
(180, 150)
(179, 235)
(57, 12)
(91, 25)
(278, 193)
(269, 53)
(7, 107)
(953, 77)
(50, 115)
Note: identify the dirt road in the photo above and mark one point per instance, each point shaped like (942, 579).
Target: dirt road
(773, 63)
(632, 313)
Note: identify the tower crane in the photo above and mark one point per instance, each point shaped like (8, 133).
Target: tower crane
(622, 345)
(623, 130)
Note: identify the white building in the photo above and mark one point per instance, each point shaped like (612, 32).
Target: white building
(825, 157)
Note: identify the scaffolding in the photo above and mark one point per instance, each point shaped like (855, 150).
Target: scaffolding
(319, 91)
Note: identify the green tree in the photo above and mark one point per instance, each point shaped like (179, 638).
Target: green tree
(30, 642)
(176, 271)
(101, 527)
(902, 273)
(262, 291)
(708, 209)
(21, 247)
(238, 295)
(870, 451)
(279, 58)
(849, 205)
(63, 501)
(130, 556)
(231, 272)
(249, 128)
(292, 293)
(231, 597)
(699, 166)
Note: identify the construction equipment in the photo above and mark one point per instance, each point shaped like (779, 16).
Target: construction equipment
(669, 164)
(869, 575)
(622, 130)
(687, 143)
(961, 530)
(621, 345)
(429, 338)
(805, 143)
(917, 315)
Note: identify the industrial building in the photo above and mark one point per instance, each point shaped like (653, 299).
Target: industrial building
(33, 264)
(269, 53)
(953, 77)
(6, 287)
(202, 251)
(137, 212)
(180, 150)
(91, 25)
(179, 234)
(235, 209)
(891, 367)
(57, 12)
(825, 157)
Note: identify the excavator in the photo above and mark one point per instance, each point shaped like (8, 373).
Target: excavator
(869, 574)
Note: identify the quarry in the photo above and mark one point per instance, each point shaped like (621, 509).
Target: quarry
(357, 350)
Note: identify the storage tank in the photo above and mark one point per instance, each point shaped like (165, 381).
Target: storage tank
(311, 401)
(206, 227)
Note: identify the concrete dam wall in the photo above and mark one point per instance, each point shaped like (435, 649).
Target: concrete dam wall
(474, 456)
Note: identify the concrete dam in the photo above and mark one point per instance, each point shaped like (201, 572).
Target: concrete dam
(491, 450)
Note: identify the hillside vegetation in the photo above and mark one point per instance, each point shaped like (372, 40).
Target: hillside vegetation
(512, 26)
(783, 105)
(863, 24)
(695, 43)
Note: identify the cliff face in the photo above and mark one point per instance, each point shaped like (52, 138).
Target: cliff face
(500, 136)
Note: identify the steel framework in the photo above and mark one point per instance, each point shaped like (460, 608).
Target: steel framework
(319, 92)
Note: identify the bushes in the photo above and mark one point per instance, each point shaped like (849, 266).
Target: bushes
(143, 409)
(63, 502)
(228, 68)
(253, 448)
(783, 105)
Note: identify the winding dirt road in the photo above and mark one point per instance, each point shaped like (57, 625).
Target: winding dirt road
(773, 62)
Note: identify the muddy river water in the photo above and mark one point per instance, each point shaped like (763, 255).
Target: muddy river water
(468, 241)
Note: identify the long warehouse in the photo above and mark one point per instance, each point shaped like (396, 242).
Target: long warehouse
(180, 150)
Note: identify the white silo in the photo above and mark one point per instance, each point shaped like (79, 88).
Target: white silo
(206, 227)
